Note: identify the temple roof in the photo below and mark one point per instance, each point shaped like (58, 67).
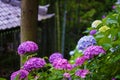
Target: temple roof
(10, 13)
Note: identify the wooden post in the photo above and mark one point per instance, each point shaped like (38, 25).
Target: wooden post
(29, 17)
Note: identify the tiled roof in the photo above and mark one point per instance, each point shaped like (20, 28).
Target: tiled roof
(10, 14)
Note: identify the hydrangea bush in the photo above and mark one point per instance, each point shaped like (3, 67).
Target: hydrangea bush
(57, 68)
(106, 32)
(96, 56)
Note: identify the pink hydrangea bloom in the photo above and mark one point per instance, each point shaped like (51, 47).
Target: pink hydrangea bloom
(69, 67)
(80, 60)
(66, 75)
(82, 73)
(61, 64)
(92, 51)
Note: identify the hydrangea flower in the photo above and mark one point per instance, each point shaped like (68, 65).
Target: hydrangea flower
(71, 53)
(54, 56)
(86, 41)
(22, 74)
(27, 47)
(61, 64)
(104, 28)
(96, 23)
(103, 16)
(80, 60)
(118, 2)
(69, 67)
(34, 63)
(92, 51)
(92, 32)
(82, 73)
(66, 75)
(113, 79)
(113, 7)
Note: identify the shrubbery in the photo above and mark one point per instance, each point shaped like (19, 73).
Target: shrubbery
(95, 57)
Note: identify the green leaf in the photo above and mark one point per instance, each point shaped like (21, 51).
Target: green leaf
(119, 34)
(99, 36)
(106, 46)
(110, 21)
(118, 76)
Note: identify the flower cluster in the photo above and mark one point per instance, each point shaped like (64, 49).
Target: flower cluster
(85, 42)
(92, 32)
(85, 45)
(27, 47)
(104, 28)
(82, 73)
(96, 23)
(54, 56)
(92, 51)
(66, 75)
(34, 63)
(80, 60)
(61, 64)
(22, 74)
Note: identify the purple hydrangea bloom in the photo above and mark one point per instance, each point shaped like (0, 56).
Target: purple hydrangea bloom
(66, 75)
(113, 78)
(113, 7)
(80, 60)
(103, 16)
(22, 74)
(34, 63)
(82, 73)
(85, 41)
(92, 51)
(61, 64)
(54, 56)
(92, 32)
(27, 47)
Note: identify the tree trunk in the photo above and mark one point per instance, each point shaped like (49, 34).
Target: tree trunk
(29, 18)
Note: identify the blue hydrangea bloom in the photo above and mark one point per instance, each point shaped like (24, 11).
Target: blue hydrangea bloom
(85, 42)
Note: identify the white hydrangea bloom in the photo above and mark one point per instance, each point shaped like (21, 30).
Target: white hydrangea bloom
(96, 23)
(71, 53)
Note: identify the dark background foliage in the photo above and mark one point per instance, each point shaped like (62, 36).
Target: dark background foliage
(79, 15)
